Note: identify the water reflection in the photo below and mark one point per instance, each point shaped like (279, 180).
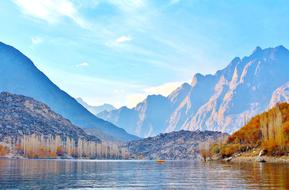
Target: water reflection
(264, 175)
(60, 174)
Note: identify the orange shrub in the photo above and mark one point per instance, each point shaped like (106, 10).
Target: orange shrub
(286, 128)
(19, 149)
(52, 154)
(269, 130)
(59, 151)
(42, 152)
(229, 149)
(270, 147)
(205, 154)
(31, 154)
(3, 150)
(215, 149)
(249, 134)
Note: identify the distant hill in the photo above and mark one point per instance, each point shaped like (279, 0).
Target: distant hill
(96, 109)
(21, 115)
(20, 76)
(220, 102)
(148, 118)
(180, 145)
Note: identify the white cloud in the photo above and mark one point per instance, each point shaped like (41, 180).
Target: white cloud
(133, 99)
(119, 41)
(173, 2)
(36, 40)
(122, 39)
(164, 89)
(51, 10)
(83, 64)
(128, 5)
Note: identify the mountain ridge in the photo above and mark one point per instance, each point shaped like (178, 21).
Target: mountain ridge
(19, 75)
(220, 101)
(95, 109)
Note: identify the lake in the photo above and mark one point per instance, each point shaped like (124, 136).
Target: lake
(90, 174)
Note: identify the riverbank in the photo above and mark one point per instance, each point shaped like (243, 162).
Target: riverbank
(267, 159)
(64, 157)
(253, 156)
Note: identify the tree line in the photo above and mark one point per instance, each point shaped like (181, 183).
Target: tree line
(268, 131)
(50, 146)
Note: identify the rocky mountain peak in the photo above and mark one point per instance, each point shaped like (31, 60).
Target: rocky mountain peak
(257, 50)
(197, 78)
(281, 48)
(221, 101)
(268, 53)
(180, 91)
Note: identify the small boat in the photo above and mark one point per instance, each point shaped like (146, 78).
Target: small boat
(160, 161)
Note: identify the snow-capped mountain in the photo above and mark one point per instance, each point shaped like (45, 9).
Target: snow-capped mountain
(19, 75)
(223, 101)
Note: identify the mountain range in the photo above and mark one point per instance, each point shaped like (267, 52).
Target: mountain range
(223, 101)
(96, 109)
(19, 75)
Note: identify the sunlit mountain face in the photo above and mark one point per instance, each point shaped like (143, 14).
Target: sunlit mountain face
(223, 101)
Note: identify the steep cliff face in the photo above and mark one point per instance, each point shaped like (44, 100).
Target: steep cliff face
(242, 90)
(154, 111)
(281, 94)
(123, 116)
(223, 101)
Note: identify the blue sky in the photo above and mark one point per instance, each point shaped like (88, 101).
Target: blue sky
(119, 51)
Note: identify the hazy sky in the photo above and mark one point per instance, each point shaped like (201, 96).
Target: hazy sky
(119, 51)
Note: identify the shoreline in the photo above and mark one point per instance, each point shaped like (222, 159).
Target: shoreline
(267, 159)
(233, 159)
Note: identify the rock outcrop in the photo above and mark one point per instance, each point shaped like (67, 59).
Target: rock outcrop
(21, 115)
(181, 145)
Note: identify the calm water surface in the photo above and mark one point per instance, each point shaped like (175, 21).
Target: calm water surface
(69, 174)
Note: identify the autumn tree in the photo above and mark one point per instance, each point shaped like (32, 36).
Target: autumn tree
(3, 150)
(272, 129)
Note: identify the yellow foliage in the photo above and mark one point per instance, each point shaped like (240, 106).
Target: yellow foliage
(229, 149)
(205, 154)
(270, 130)
(3, 150)
(59, 151)
(40, 146)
